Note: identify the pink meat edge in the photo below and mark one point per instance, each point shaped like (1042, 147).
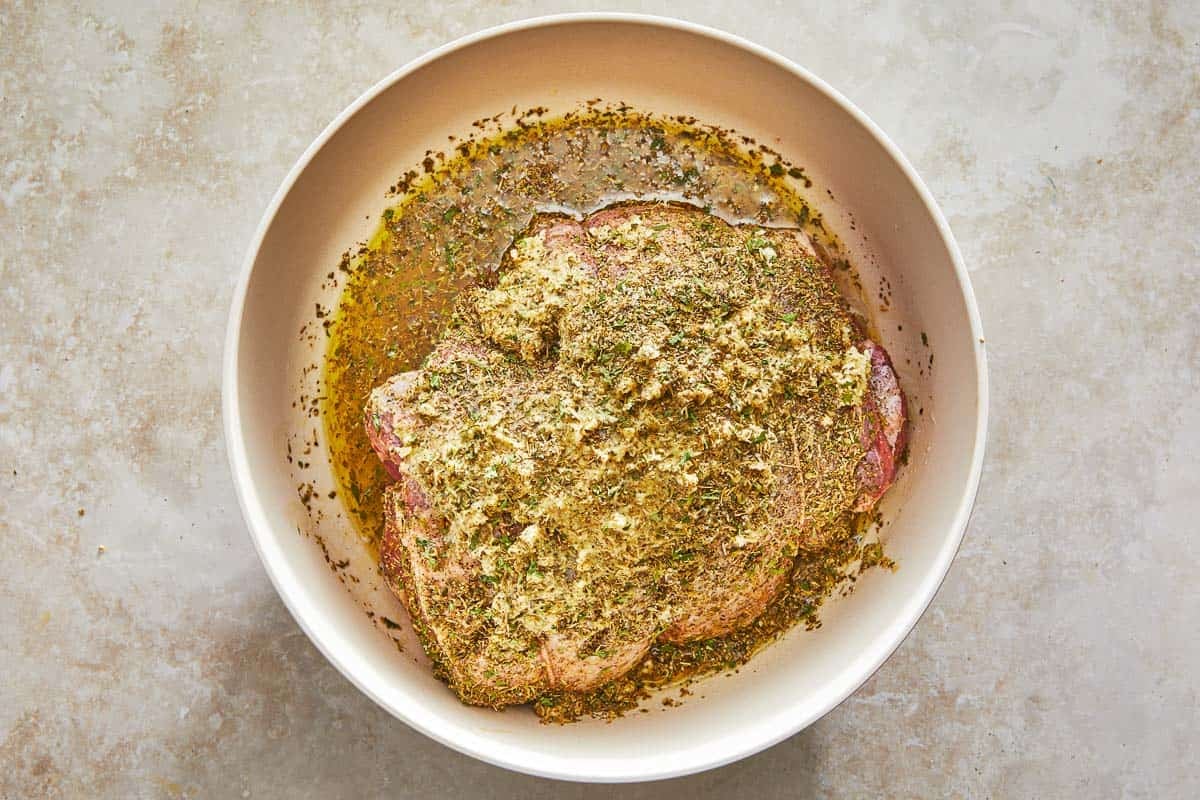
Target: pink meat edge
(884, 433)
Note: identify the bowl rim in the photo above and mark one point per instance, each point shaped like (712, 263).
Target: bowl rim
(428, 724)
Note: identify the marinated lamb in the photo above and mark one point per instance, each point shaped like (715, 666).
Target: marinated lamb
(629, 437)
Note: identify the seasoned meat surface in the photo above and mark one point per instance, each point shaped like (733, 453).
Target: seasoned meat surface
(629, 437)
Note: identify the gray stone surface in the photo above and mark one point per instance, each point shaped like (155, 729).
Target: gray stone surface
(138, 149)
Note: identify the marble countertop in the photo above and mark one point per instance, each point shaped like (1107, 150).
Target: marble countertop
(144, 652)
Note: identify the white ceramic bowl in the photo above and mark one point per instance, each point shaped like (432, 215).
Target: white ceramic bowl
(658, 65)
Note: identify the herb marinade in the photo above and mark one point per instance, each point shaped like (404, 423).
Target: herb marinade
(450, 231)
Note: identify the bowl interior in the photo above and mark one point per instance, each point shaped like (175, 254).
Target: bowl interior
(334, 201)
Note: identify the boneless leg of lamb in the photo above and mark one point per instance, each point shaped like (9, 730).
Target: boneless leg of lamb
(439, 580)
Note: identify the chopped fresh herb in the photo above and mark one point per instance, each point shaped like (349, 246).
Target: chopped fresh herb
(757, 242)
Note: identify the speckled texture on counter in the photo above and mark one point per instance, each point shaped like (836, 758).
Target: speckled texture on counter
(143, 652)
